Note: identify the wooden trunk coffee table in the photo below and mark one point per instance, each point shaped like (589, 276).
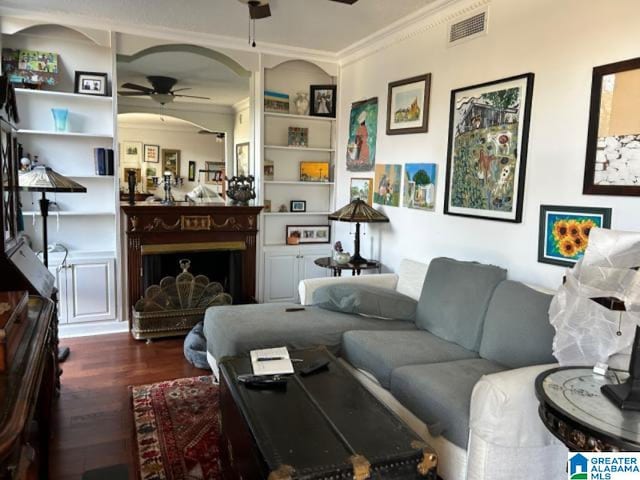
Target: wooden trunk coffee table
(323, 426)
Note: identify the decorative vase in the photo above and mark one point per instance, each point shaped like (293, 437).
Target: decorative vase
(301, 103)
(60, 119)
(341, 258)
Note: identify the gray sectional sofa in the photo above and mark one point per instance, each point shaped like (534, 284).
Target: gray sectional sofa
(471, 323)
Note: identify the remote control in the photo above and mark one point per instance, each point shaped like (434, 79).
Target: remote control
(263, 381)
(315, 367)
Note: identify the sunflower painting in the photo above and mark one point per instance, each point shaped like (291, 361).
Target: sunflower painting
(564, 232)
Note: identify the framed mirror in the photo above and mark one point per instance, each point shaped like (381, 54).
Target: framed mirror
(613, 145)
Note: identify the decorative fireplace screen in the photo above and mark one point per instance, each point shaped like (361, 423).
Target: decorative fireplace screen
(174, 306)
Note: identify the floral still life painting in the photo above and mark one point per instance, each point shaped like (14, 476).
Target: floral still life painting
(363, 133)
(387, 185)
(419, 186)
(488, 134)
(564, 232)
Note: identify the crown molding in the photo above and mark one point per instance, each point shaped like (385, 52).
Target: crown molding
(242, 105)
(438, 13)
(165, 33)
(147, 104)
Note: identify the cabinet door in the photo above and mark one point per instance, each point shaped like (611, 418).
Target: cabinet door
(60, 274)
(308, 269)
(281, 277)
(91, 290)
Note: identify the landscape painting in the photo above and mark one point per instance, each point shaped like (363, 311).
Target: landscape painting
(419, 186)
(361, 188)
(486, 159)
(387, 185)
(564, 232)
(363, 133)
(408, 105)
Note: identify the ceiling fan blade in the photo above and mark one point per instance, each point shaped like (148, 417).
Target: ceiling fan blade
(192, 96)
(133, 94)
(134, 86)
(181, 89)
(349, 2)
(256, 12)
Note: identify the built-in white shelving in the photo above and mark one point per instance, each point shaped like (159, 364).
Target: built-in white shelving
(65, 95)
(24, 131)
(302, 149)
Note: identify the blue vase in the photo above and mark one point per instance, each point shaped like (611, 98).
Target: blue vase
(60, 119)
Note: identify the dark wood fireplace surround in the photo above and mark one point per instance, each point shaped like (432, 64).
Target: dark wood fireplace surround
(153, 227)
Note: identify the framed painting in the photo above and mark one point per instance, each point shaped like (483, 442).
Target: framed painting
(91, 83)
(363, 133)
(171, 162)
(564, 232)
(131, 153)
(299, 234)
(314, 171)
(612, 165)
(487, 149)
(299, 206)
(420, 186)
(361, 188)
(242, 159)
(408, 105)
(192, 171)
(323, 101)
(152, 153)
(387, 185)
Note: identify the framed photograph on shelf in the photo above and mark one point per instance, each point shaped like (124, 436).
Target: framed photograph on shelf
(131, 153)
(323, 101)
(267, 206)
(420, 186)
(299, 234)
(564, 232)
(298, 137)
(408, 105)
(91, 83)
(314, 171)
(487, 149)
(298, 206)
(171, 162)
(269, 170)
(242, 159)
(152, 153)
(613, 140)
(361, 188)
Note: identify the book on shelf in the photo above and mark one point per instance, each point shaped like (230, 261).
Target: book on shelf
(104, 161)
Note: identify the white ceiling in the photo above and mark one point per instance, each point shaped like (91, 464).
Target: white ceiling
(206, 77)
(315, 24)
(150, 120)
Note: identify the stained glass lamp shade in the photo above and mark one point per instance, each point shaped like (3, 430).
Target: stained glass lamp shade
(358, 211)
(44, 179)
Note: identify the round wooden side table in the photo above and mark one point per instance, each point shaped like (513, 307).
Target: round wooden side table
(576, 412)
(337, 268)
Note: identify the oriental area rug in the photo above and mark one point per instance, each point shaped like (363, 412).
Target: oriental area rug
(177, 430)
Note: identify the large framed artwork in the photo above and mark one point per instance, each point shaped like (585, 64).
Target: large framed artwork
(363, 133)
(408, 105)
(420, 186)
(612, 165)
(487, 150)
(387, 185)
(171, 162)
(564, 232)
(242, 159)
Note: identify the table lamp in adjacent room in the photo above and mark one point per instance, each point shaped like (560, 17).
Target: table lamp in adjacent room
(44, 179)
(358, 211)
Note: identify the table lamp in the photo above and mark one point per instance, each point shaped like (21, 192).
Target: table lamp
(358, 211)
(44, 179)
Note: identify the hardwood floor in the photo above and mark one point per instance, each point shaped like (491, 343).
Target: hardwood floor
(92, 421)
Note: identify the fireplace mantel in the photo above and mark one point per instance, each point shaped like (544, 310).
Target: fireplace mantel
(205, 224)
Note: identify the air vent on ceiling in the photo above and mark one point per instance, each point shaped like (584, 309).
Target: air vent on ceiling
(471, 27)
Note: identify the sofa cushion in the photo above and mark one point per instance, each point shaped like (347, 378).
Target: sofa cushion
(517, 332)
(439, 394)
(379, 352)
(365, 300)
(454, 299)
(237, 329)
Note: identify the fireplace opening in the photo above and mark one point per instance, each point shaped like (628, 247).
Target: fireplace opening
(223, 266)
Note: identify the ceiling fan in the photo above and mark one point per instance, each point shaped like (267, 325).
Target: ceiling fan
(161, 90)
(260, 9)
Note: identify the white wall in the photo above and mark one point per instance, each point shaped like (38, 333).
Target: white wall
(558, 40)
(193, 147)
